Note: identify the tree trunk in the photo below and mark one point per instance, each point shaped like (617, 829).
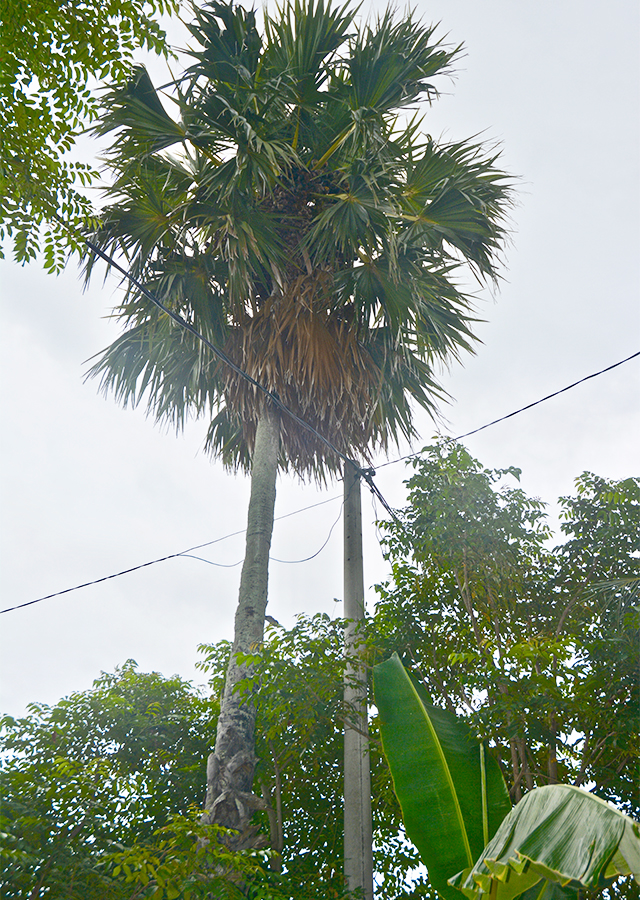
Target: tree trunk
(230, 768)
(358, 863)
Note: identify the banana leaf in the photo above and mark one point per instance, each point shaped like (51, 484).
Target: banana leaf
(557, 837)
(451, 792)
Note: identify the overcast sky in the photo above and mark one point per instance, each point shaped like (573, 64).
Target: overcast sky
(90, 489)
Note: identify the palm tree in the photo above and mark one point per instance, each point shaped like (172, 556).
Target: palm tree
(303, 225)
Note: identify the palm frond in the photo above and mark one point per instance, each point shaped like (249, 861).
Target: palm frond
(158, 362)
(230, 54)
(136, 112)
(303, 38)
(392, 62)
(455, 195)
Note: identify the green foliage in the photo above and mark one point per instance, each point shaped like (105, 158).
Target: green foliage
(100, 770)
(52, 55)
(598, 578)
(297, 688)
(189, 860)
(101, 790)
(537, 645)
(298, 691)
(558, 842)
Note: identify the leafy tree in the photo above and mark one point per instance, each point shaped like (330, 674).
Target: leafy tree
(102, 794)
(102, 791)
(303, 226)
(100, 770)
(52, 53)
(537, 646)
(598, 579)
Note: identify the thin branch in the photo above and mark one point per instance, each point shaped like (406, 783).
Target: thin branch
(279, 826)
(553, 751)
(565, 612)
(495, 621)
(522, 751)
(275, 863)
(516, 790)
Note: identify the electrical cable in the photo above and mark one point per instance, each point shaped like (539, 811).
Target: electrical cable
(516, 412)
(186, 552)
(366, 474)
(211, 562)
(275, 559)
(376, 520)
(272, 558)
(549, 396)
(318, 552)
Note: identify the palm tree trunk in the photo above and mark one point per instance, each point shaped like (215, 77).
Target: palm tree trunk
(230, 768)
(358, 863)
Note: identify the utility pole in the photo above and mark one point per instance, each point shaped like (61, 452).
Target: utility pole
(358, 860)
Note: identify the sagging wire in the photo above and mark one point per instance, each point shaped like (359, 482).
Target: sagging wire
(185, 553)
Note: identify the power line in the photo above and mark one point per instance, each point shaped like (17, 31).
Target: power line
(549, 396)
(375, 490)
(186, 552)
(366, 474)
(516, 412)
(273, 558)
(211, 562)
(318, 552)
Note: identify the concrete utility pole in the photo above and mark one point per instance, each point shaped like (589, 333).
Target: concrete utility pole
(358, 861)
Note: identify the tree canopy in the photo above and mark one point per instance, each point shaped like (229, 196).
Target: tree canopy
(288, 205)
(97, 772)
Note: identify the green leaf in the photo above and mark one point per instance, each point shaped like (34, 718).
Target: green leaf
(438, 776)
(558, 833)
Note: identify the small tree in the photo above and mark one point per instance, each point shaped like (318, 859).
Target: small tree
(99, 771)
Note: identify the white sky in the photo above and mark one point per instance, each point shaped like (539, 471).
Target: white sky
(89, 488)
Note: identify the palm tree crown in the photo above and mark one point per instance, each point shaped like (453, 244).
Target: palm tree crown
(302, 224)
